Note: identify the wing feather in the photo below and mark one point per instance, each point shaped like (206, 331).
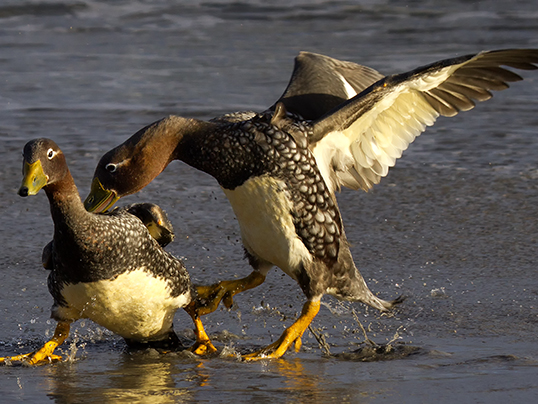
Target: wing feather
(320, 83)
(356, 143)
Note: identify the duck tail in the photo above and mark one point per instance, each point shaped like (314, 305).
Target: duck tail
(364, 294)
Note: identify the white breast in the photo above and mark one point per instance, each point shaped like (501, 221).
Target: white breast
(262, 207)
(134, 305)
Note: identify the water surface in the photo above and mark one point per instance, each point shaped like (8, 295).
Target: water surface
(453, 226)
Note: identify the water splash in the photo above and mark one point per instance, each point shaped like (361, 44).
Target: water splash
(229, 352)
(439, 292)
(318, 335)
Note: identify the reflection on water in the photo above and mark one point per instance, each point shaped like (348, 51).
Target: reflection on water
(149, 377)
(318, 382)
(299, 382)
(137, 377)
(152, 378)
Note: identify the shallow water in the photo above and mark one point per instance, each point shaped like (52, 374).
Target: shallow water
(453, 226)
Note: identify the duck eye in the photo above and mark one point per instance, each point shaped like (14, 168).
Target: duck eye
(50, 154)
(111, 167)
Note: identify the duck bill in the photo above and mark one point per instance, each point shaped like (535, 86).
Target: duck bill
(99, 199)
(33, 178)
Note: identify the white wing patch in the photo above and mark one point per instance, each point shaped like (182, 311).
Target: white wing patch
(384, 133)
(360, 155)
(334, 159)
(350, 91)
(358, 142)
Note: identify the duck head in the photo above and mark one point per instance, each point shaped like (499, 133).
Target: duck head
(43, 164)
(119, 173)
(132, 165)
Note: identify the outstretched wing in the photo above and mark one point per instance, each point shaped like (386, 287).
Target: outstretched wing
(356, 143)
(320, 83)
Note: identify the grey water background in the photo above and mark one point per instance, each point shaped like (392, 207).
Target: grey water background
(453, 226)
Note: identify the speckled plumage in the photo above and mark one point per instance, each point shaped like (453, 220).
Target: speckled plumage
(272, 145)
(101, 247)
(337, 124)
(155, 220)
(107, 267)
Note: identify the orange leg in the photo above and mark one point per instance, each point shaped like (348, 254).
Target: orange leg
(203, 345)
(209, 297)
(291, 335)
(46, 353)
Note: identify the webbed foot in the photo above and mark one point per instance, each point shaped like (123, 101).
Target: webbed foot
(209, 297)
(44, 355)
(291, 335)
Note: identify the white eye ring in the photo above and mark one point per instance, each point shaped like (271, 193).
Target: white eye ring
(111, 167)
(51, 153)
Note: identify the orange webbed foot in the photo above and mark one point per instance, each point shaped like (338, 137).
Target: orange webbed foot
(44, 355)
(290, 336)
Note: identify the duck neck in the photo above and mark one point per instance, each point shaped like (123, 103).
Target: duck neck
(156, 146)
(206, 146)
(65, 204)
(190, 143)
